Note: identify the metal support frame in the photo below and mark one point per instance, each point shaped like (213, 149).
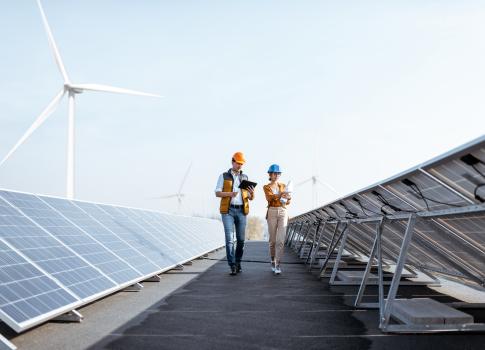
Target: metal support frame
(71, 316)
(339, 254)
(297, 235)
(317, 246)
(6, 344)
(331, 248)
(297, 225)
(312, 246)
(391, 296)
(305, 237)
(137, 287)
(376, 247)
(289, 231)
(154, 278)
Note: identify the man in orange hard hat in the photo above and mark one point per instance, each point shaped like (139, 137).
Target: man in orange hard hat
(234, 208)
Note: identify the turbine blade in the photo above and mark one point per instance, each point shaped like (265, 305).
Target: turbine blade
(324, 184)
(51, 107)
(52, 44)
(106, 88)
(304, 182)
(184, 179)
(165, 197)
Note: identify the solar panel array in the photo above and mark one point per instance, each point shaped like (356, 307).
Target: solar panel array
(446, 195)
(58, 254)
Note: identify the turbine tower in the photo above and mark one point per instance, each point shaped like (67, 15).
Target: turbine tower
(179, 195)
(71, 89)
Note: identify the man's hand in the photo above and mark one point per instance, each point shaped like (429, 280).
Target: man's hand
(232, 194)
(251, 192)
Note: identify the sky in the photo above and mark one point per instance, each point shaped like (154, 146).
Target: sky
(351, 91)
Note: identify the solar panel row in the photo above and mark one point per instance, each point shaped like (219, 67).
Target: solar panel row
(451, 244)
(56, 254)
(430, 218)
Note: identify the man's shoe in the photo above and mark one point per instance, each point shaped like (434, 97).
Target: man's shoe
(273, 267)
(238, 268)
(233, 270)
(277, 270)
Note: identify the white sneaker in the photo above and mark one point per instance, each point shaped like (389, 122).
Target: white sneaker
(277, 270)
(273, 267)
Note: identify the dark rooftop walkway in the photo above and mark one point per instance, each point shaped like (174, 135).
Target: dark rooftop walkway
(256, 310)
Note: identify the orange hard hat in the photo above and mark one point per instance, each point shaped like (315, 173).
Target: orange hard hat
(239, 158)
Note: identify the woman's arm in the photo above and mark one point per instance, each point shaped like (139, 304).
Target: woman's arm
(269, 194)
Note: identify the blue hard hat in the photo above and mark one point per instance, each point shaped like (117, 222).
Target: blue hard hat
(274, 168)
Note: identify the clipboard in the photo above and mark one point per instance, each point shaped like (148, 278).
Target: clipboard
(245, 184)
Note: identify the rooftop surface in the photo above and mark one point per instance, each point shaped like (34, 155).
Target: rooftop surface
(253, 310)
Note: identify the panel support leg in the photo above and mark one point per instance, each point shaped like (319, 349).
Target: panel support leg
(155, 278)
(71, 316)
(386, 313)
(178, 267)
(339, 255)
(317, 249)
(133, 288)
(330, 250)
(363, 283)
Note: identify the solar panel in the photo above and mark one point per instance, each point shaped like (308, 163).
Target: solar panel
(57, 254)
(46, 250)
(130, 232)
(26, 292)
(105, 238)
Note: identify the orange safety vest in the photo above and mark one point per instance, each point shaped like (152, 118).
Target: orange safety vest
(228, 187)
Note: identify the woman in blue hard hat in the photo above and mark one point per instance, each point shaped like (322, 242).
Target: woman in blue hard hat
(276, 216)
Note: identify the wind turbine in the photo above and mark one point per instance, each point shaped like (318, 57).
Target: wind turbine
(71, 89)
(316, 181)
(179, 195)
(315, 178)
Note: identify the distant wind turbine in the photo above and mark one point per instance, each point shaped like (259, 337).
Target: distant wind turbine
(316, 181)
(179, 195)
(71, 90)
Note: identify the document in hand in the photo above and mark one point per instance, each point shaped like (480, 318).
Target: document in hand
(245, 184)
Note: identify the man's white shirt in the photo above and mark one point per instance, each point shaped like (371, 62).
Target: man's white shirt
(235, 187)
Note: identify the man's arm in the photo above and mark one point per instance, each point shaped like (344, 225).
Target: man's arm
(219, 192)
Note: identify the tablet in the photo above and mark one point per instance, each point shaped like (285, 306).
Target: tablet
(245, 184)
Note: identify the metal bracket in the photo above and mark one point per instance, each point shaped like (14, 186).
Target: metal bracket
(154, 278)
(331, 248)
(317, 247)
(188, 263)
(339, 255)
(386, 308)
(133, 288)
(364, 282)
(71, 316)
(5, 344)
(178, 267)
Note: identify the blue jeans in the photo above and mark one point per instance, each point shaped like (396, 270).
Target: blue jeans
(235, 218)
